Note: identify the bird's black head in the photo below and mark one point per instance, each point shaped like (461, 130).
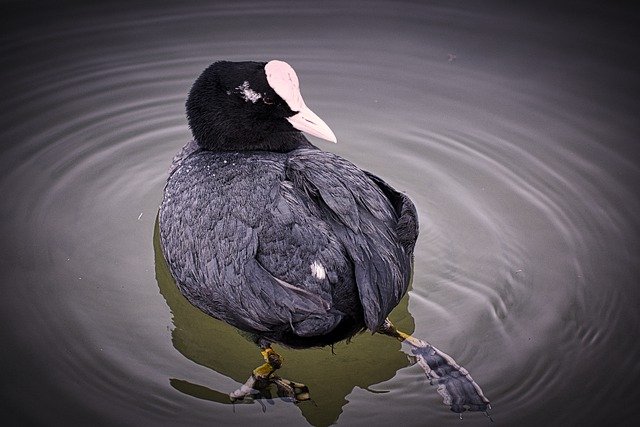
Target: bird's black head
(239, 106)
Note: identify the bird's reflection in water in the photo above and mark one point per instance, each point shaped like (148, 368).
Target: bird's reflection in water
(330, 374)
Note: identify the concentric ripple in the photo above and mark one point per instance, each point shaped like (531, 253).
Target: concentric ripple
(514, 131)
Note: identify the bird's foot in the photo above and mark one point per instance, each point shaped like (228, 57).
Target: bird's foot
(458, 390)
(268, 388)
(264, 383)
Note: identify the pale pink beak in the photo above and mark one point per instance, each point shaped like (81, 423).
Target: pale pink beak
(308, 121)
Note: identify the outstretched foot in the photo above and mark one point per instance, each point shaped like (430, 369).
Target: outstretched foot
(453, 382)
(263, 380)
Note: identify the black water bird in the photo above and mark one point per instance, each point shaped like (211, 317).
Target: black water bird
(289, 243)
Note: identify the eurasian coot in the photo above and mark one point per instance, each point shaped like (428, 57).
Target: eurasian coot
(287, 242)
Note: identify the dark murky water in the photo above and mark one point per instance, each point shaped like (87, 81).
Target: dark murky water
(514, 130)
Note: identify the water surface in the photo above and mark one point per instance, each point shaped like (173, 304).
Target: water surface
(513, 129)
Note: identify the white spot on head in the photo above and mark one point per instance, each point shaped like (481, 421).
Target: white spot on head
(247, 93)
(284, 82)
(318, 270)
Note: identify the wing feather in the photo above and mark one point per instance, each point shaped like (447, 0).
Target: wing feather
(365, 221)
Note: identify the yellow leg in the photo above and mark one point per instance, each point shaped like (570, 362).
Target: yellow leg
(387, 328)
(273, 361)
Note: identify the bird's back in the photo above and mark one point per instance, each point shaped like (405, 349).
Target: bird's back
(300, 247)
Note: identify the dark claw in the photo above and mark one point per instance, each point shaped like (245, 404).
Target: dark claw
(275, 360)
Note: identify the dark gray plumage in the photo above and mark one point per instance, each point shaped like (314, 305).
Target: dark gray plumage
(290, 243)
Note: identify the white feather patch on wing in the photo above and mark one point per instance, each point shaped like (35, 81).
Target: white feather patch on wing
(318, 270)
(284, 81)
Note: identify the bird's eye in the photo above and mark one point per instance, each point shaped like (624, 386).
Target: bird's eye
(267, 100)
